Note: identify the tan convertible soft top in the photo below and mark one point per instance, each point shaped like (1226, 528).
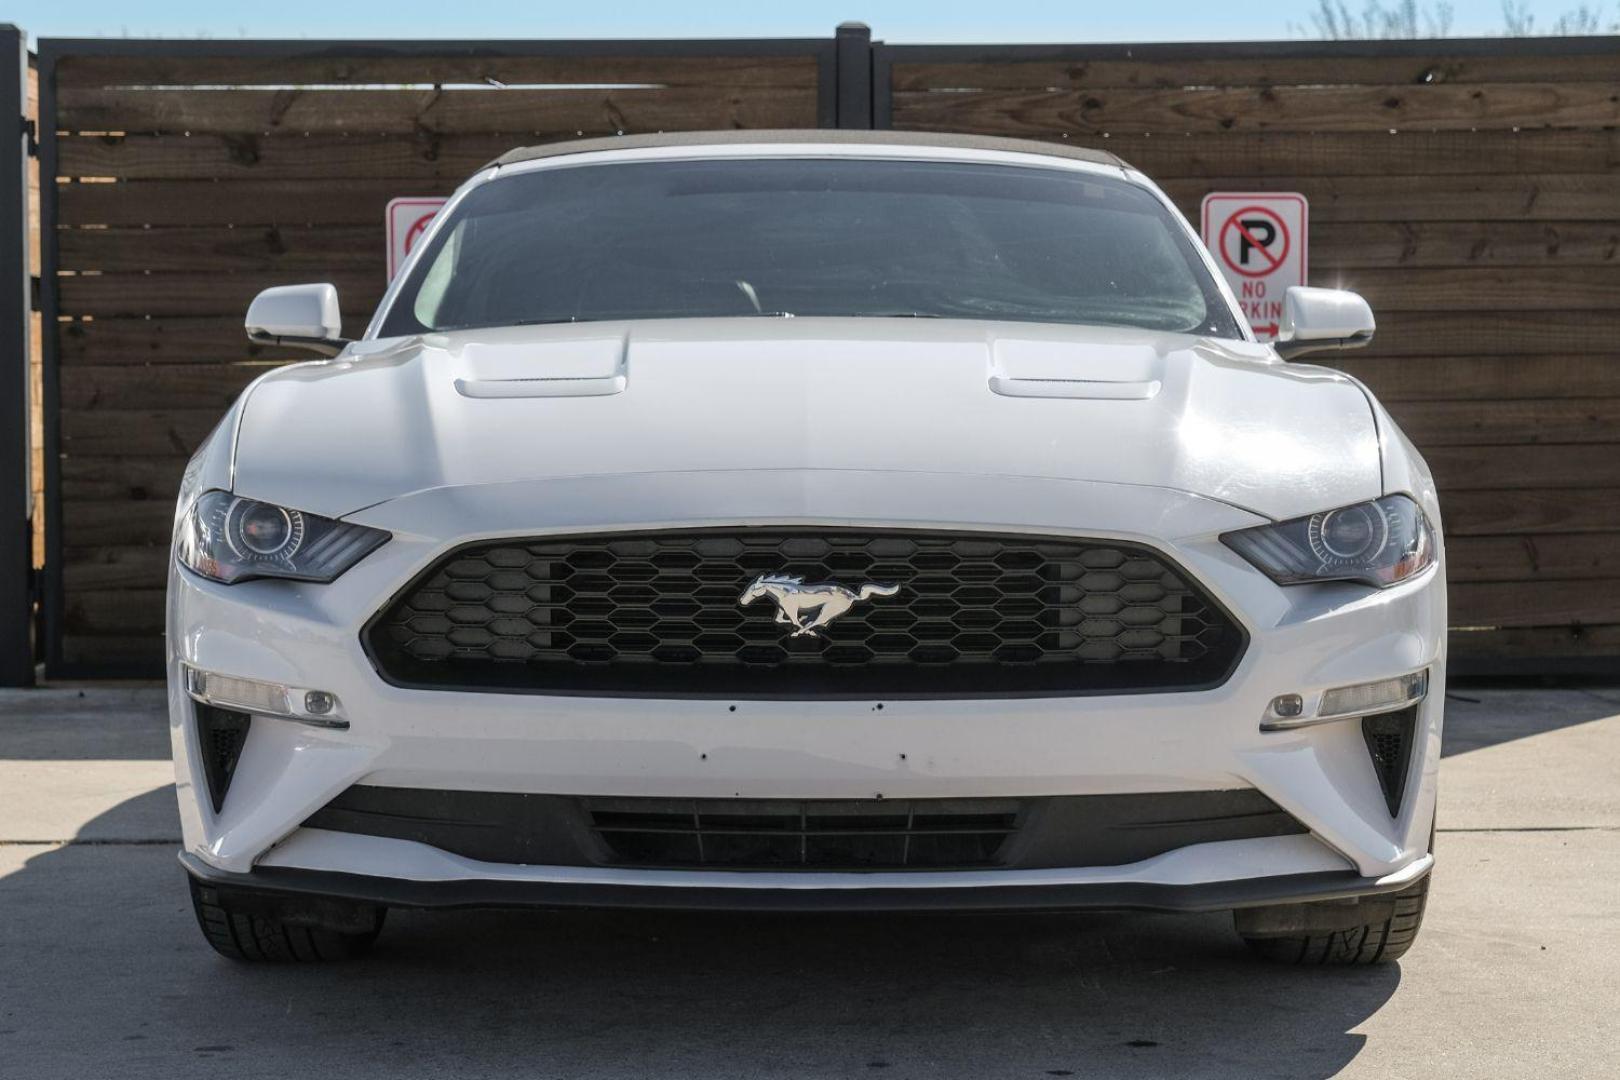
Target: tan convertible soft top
(813, 136)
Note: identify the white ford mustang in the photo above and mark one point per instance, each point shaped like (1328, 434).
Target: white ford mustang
(807, 520)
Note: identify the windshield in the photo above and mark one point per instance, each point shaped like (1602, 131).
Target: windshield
(825, 237)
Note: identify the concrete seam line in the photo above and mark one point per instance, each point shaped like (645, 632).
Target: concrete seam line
(1534, 828)
(90, 843)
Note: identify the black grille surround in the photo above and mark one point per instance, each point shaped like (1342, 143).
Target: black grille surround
(658, 615)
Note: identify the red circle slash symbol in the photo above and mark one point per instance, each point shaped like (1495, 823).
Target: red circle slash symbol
(1249, 222)
(418, 227)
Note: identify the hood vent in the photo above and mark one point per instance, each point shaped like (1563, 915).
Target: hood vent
(590, 367)
(1103, 372)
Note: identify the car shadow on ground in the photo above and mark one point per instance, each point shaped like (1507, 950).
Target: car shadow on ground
(583, 993)
(1485, 713)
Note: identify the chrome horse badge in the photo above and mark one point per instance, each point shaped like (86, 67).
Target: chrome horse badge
(809, 607)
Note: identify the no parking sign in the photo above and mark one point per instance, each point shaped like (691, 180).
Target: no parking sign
(1259, 241)
(407, 221)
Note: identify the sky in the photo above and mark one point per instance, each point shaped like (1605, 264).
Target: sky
(900, 21)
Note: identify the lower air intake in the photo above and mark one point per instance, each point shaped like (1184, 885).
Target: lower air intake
(1389, 741)
(221, 734)
(848, 835)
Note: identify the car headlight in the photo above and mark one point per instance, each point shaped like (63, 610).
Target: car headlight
(227, 538)
(1380, 543)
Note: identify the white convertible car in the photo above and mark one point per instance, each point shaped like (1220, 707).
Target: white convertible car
(808, 521)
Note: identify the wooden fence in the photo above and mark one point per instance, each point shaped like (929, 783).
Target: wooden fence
(1471, 190)
(190, 176)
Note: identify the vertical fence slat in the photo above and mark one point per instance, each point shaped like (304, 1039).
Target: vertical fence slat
(16, 535)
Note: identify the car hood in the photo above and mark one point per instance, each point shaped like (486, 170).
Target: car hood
(1215, 418)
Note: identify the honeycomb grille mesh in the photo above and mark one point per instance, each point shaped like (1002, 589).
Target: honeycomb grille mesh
(660, 613)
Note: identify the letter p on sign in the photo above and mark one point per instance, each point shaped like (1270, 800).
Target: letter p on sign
(1259, 242)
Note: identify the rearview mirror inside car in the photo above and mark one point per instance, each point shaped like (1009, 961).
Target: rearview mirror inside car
(301, 316)
(1315, 320)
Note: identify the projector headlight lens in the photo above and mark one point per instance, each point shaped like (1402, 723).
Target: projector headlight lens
(1380, 543)
(227, 538)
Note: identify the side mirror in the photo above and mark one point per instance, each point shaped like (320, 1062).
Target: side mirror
(1315, 320)
(302, 316)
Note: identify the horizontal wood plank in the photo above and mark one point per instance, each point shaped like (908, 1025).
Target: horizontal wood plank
(1533, 603)
(239, 202)
(138, 386)
(476, 65)
(1306, 67)
(1510, 421)
(1384, 199)
(1094, 110)
(1336, 246)
(122, 479)
(136, 432)
(199, 293)
(1267, 156)
(1481, 379)
(1451, 290)
(1522, 468)
(117, 566)
(359, 249)
(129, 523)
(172, 341)
(1519, 512)
(1286, 155)
(490, 110)
(1511, 331)
(1548, 557)
(1527, 643)
(99, 652)
(114, 612)
(362, 156)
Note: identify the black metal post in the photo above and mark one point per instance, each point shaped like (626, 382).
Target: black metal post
(854, 75)
(16, 536)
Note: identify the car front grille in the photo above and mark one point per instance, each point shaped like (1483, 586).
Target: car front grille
(855, 834)
(659, 614)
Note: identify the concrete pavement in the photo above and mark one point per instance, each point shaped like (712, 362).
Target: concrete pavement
(1517, 973)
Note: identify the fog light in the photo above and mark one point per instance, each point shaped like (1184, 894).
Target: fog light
(1370, 699)
(316, 707)
(1287, 706)
(1341, 703)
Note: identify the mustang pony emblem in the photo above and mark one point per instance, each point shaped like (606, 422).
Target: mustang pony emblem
(809, 607)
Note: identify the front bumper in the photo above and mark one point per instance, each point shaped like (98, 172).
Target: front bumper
(542, 892)
(1301, 640)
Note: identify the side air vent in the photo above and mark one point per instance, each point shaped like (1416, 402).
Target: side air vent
(1389, 741)
(221, 733)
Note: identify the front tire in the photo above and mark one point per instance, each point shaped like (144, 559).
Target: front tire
(246, 928)
(1378, 930)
